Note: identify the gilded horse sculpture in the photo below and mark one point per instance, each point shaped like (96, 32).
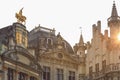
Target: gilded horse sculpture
(20, 17)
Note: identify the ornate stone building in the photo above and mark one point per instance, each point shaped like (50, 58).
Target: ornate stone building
(56, 56)
(17, 61)
(103, 53)
(42, 55)
(39, 54)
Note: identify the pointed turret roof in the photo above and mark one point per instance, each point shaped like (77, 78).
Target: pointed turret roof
(81, 42)
(114, 14)
(114, 11)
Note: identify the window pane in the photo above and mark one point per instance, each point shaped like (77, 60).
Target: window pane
(71, 75)
(60, 74)
(10, 74)
(46, 73)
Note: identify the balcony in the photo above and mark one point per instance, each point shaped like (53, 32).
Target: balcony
(109, 68)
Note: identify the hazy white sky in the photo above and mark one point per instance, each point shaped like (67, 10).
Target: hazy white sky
(66, 16)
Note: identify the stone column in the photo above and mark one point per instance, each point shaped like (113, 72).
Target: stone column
(1, 75)
(5, 75)
(52, 72)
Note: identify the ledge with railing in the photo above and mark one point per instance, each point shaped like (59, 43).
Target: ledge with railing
(108, 69)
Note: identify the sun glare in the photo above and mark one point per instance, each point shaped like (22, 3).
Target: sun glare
(119, 36)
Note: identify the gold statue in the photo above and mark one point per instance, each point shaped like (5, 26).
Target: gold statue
(20, 17)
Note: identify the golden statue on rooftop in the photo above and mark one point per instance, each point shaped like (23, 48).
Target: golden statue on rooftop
(20, 17)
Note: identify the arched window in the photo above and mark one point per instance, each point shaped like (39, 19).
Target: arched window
(49, 42)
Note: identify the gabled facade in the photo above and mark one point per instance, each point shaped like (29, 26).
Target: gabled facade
(55, 55)
(42, 55)
(103, 53)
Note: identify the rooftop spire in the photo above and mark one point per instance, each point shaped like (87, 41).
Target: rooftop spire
(81, 42)
(114, 10)
(114, 14)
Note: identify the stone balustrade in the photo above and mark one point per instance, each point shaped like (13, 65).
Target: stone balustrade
(108, 69)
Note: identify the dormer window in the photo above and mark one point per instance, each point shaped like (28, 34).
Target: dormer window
(49, 41)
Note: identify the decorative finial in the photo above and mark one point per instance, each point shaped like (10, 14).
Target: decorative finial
(113, 2)
(20, 17)
(81, 30)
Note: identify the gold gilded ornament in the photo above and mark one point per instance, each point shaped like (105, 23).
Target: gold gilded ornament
(20, 17)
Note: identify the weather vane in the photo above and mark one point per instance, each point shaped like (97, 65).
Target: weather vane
(81, 30)
(20, 17)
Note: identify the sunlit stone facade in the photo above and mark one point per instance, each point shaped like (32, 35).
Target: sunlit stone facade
(103, 53)
(40, 54)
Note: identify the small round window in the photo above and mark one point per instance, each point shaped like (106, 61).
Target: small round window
(60, 55)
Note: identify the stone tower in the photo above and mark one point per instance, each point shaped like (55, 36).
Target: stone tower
(114, 23)
(81, 47)
(21, 34)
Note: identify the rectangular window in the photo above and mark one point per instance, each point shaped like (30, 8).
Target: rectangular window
(49, 42)
(71, 75)
(90, 71)
(22, 76)
(32, 78)
(103, 65)
(10, 74)
(60, 74)
(46, 73)
(97, 67)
